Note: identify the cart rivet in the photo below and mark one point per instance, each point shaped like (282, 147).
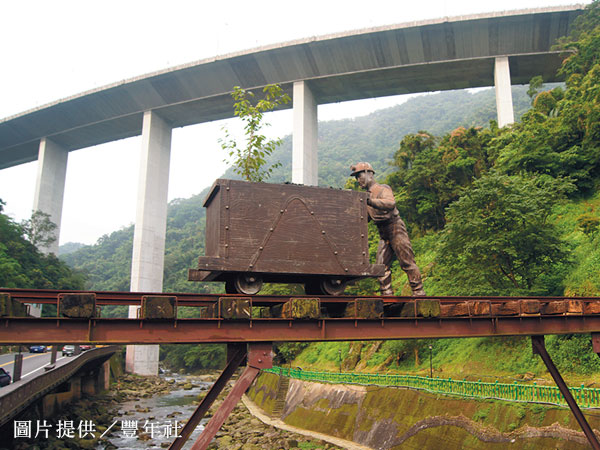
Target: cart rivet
(227, 188)
(226, 245)
(281, 211)
(227, 228)
(323, 232)
(346, 270)
(364, 253)
(361, 217)
(335, 253)
(250, 265)
(227, 207)
(270, 229)
(362, 235)
(312, 213)
(260, 248)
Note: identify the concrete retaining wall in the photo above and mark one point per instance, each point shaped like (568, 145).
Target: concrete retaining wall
(397, 418)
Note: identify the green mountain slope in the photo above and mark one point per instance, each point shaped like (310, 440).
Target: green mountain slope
(374, 137)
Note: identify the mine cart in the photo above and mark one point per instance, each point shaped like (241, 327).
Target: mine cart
(284, 233)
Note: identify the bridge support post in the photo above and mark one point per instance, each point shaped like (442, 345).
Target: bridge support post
(504, 103)
(50, 185)
(18, 366)
(53, 354)
(260, 356)
(147, 262)
(539, 348)
(304, 136)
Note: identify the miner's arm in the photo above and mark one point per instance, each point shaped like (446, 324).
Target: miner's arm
(384, 199)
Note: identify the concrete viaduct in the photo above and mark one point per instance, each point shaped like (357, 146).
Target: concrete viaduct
(496, 49)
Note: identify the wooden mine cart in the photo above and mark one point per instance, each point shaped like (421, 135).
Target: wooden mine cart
(284, 233)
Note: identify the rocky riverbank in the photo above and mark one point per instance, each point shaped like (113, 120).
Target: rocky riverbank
(97, 422)
(82, 423)
(242, 431)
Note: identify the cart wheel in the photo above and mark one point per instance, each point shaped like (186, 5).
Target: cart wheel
(332, 286)
(325, 286)
(247, 284)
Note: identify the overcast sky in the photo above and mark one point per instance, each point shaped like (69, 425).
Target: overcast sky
(54, 49)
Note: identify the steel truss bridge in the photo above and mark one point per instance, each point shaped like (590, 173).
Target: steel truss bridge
(249, 338)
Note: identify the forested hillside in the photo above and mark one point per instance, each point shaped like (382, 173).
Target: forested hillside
(510, 211)
(23, 266)
(374, 137)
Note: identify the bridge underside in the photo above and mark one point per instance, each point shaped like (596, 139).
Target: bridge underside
(406, 79)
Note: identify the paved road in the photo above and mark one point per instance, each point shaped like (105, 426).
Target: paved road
(33, 363)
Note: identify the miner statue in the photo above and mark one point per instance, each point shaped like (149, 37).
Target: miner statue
(394, 241)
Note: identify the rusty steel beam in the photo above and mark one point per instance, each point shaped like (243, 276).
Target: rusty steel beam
(260, 356)
(138, 331)
(50, 296)
(235, 355)
(540, 348)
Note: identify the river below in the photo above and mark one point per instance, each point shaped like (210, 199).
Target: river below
(150, 419)
(152, 423)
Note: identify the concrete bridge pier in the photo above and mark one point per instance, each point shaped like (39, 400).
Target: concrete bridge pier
(90, 383)
(504, 103)
(150, 229)
(49, 193)
(304, 136)
(50, 185)
(51, 403)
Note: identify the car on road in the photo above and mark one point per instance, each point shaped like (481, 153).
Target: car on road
(68, 350)
(85, 347)
(4, 377)
(37, 349)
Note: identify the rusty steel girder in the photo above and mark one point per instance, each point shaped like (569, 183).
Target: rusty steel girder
(139, 331)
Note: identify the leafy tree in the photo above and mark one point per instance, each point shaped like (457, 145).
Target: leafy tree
(193, 356)
(430, 176)
(248, 162)
(498, 239)
(39, 229)
(23, 266)
(534, 84)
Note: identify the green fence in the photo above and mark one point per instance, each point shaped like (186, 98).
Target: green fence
(585, 397)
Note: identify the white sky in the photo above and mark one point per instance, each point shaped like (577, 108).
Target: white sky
(54, 49)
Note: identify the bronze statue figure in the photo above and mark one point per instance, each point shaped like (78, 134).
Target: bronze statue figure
(394, 241)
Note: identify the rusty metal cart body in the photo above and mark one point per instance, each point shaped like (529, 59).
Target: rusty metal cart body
(284, 233)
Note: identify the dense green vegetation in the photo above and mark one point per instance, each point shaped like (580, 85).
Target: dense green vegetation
(502, 211)
(23, 266)
(488, 208)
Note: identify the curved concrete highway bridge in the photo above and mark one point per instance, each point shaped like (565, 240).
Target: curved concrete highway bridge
(497, 49)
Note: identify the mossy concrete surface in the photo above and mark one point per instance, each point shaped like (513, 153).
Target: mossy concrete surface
(398, 418)
(263, 391)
